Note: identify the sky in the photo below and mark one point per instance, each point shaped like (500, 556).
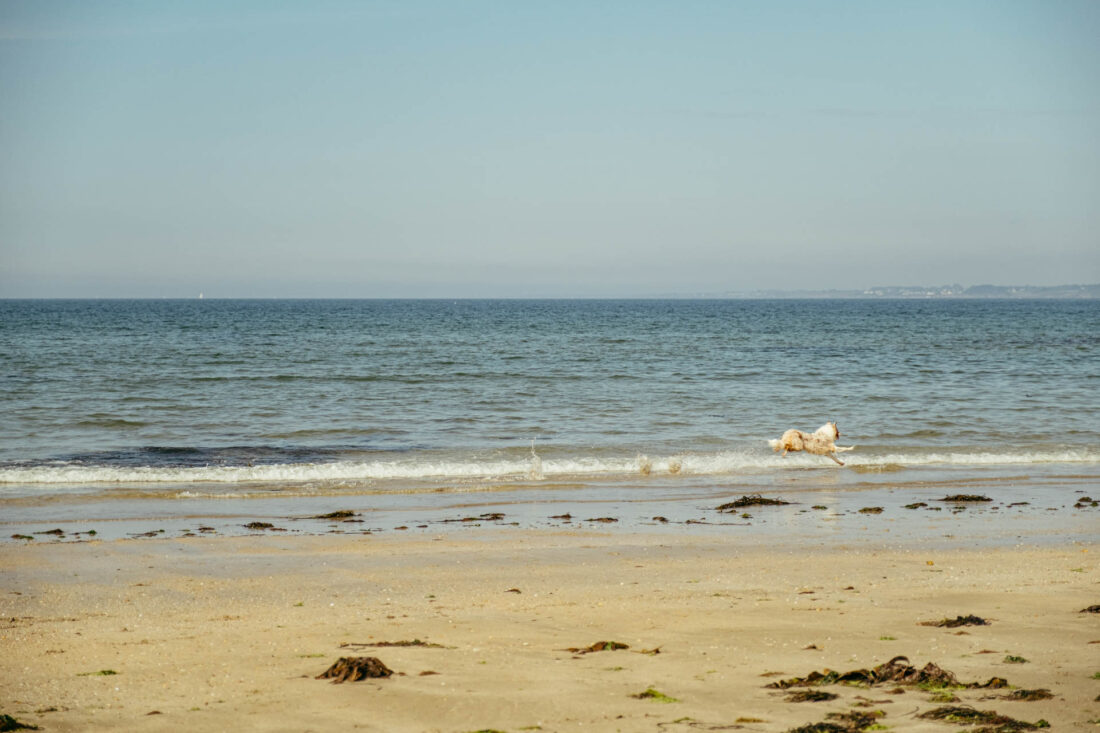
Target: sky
(572, 148)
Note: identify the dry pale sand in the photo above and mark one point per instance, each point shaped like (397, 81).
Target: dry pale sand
(215, 634)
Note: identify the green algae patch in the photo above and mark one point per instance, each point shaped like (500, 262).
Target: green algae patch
(655, 696)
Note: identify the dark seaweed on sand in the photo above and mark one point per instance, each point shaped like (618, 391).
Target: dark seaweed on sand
(952, 623)
(897, 671)
(403, 643)
(1091, 609)
(991, 721)
(9, 723)
(753, 500)
(850, 722)
(490, 517)
(599, 646)
(353, 669)
(342, 514)
(1029, 695)
(966, 497)
(810, 696)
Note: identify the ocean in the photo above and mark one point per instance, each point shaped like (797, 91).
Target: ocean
(181, 411)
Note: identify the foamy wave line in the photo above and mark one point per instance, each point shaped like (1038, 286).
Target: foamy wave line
(532, 468)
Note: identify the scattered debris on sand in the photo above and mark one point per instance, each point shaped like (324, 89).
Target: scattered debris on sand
(599, 646)
(958, 498)
(1091, 609)
(259, 525)
(604, 520)
(376, 644)
(751, 500)
(488, 517)
(917, 505)
(871, 510)
(342, 514)
(952, 623)
(353, 669)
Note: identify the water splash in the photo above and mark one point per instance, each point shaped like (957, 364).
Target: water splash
(534, 471)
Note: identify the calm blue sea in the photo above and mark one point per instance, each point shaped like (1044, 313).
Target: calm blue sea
(144, 399)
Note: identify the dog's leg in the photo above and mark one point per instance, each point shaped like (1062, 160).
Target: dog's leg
(833, 456)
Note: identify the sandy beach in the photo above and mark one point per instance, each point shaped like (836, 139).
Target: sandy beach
(216, 633)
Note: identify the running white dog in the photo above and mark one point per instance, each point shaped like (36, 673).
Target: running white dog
(820, 442)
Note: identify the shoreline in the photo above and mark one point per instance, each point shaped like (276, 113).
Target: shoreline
(208, 633)
(1049, 507)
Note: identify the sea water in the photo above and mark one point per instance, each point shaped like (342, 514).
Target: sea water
(177, 400)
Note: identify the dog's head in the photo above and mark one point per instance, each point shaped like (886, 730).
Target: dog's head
(836, 430)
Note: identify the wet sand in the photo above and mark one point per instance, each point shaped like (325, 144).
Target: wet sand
(210, 633)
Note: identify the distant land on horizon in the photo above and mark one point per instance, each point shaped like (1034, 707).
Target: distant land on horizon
(1060, 292)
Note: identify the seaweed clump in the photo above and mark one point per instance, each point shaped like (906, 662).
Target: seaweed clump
(952, 623)
(897, 671)
(850, 722)
(353, 669)
(1029, 695)
(599, 646)
(810, 696)
(752, 500)
(965, 497)
(9, 723)
(992, 721)
(655, 696)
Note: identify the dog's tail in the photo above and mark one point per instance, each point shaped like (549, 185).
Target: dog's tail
(775, 444)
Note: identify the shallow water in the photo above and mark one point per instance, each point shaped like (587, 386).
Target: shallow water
(136, 409)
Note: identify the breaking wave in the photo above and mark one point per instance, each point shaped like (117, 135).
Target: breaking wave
(532, 467)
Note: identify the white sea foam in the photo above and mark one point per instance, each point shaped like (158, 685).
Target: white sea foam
(530, 468)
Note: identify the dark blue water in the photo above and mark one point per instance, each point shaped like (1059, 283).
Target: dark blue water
(242, 396)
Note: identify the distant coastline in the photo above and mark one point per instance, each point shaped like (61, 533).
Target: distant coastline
(1021, 292)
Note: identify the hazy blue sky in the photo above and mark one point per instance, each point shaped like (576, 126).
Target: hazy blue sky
(560, 148)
